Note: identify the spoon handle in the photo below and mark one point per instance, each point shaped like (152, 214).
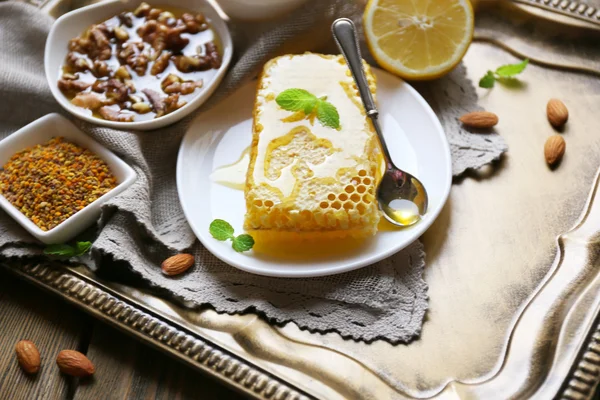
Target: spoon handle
(344, 34)
(345, 37)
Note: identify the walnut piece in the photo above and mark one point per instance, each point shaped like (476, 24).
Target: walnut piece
(192, 63)
(125, 19)
(194, 24)
(113, 115)
(71, 77)
(80, 45)
(183, 88)
(90, 101)
(161, 63)
(154, 13)
(174, 87)
(78, 63)
(142, 10)
(99, 86)
(170, 79)
(162, 37)
(141, 108)
(165, 16)
(174, 41)
(131, 54)
(100, 48)
(121, 33)
(157, 103)
(122, 73)
(139, 64)
(67, 85)
(189, 87)
(173, 103)
(147, 29)
(213, 54)
(114, 89)
(101, 68)
(130, 85)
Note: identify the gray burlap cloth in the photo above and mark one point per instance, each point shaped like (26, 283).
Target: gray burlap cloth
(143, 226)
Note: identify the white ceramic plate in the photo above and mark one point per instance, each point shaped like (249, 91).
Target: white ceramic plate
(217, 138)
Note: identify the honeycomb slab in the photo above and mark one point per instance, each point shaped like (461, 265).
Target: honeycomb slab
(304, 177)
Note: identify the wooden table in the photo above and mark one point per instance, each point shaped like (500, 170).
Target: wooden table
(125, 369)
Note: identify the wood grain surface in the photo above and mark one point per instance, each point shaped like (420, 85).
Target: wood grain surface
(28, 313)
(133, 371)
(125, 369)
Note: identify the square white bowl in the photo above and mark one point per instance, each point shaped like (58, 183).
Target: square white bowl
(76, 22)
(40, 132)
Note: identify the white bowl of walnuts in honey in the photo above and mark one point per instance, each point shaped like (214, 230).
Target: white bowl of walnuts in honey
(135, 65)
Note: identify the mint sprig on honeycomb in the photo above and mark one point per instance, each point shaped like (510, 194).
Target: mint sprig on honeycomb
(302, 100)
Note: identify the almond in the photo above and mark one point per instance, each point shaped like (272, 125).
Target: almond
(177, 264)
(74, 363)
(28, 356)
(557, 112)
(479, 119)
(554, 149)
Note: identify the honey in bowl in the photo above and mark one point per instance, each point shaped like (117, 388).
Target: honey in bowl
(141, 64)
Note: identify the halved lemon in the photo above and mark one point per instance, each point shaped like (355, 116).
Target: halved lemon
(418, 39)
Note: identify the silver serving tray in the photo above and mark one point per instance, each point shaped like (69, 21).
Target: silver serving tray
(512, 262)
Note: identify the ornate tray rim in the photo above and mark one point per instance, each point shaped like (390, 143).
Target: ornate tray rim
(133, 318)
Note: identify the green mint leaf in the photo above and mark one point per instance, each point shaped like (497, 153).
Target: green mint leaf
(512, 69)
(309, 108)
(297, 100)
(488, 80)
(82, 248)
(59, 250)
(243, 243)
(221, 230)
(328, 114)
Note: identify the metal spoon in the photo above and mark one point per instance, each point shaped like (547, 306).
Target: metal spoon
(401, 196)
